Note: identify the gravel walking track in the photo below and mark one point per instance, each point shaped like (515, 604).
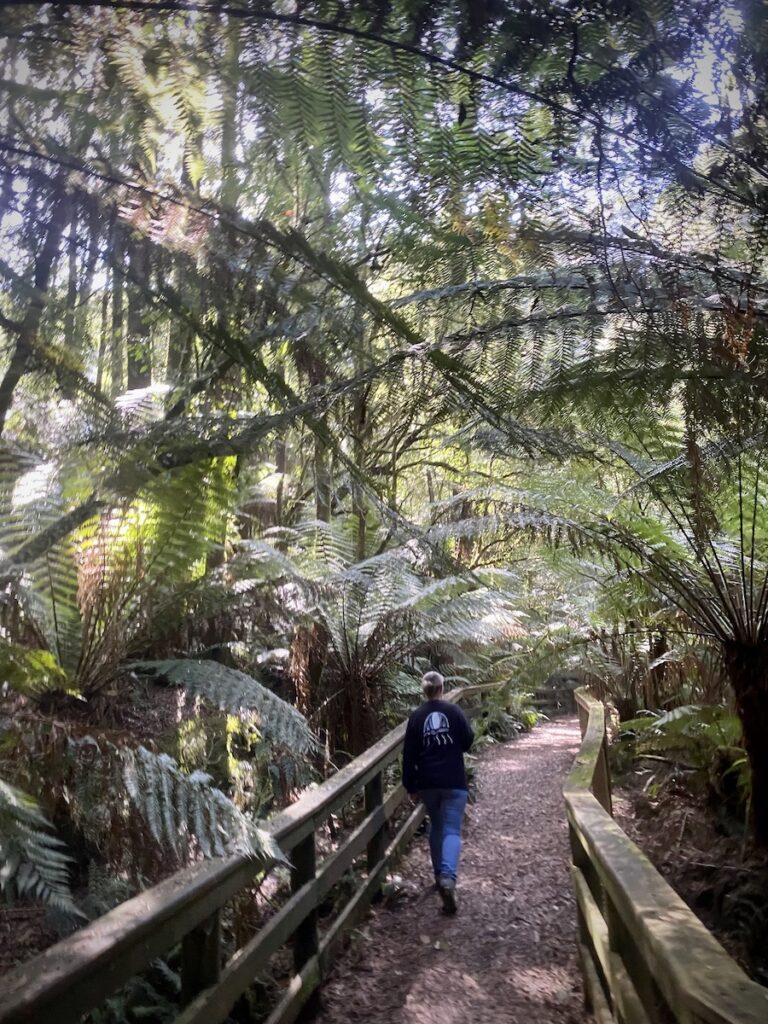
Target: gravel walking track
(509, 954)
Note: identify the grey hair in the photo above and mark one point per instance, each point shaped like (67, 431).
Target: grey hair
(432, 684)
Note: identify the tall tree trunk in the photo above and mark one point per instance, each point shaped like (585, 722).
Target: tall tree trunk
(229, 182)
(117, 347)
(26, 333)
(359, 504)
(85, 280)
(139, 341)
(657, 676)
(103, 330)
(182, 334)
(117, 343)
(747, 667)
(71, 302)
(281, 463)
(322, 481)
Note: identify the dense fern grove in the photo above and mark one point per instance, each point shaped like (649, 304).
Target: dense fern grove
(340, 341)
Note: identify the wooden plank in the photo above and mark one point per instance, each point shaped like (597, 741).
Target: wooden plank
(581, 776)
(374, 797)
(213, 1005)
(81, 971)
(628, 1002)
(201, 958)
(298, 994)
(77, 974)
(305, 943)
(596, 1001)
(303, 985)
(593, 919)
(355, 909)
(624, 945)
(693, 972)
(601, 777)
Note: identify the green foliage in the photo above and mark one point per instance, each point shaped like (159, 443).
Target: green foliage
(178, 807)
(32, 861)
(692, 726)
(707, 738)
(504, 715)
(182, 812)
(31, 672)
(240, 694)
(349, 350)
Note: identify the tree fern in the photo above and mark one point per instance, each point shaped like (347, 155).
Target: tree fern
(32, 861)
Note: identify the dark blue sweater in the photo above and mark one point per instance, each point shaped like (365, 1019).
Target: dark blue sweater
(436, 737)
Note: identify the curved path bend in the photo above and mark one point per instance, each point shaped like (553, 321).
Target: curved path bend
(509, 956)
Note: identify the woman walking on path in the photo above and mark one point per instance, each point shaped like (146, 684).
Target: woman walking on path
(436, 738)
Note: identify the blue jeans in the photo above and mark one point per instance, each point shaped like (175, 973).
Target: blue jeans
(445, 808)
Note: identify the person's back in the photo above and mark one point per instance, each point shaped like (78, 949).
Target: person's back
(439, 736)
(436, 738)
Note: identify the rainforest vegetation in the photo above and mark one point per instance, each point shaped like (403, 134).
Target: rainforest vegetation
(343, 340)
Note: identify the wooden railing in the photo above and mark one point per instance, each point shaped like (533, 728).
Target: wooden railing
(80, 972)
(645, 957)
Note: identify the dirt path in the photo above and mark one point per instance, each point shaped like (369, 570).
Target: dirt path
(508, 956)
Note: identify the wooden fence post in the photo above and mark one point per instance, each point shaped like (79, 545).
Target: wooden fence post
(578, 855)
(374, 797)
(305, 942)
(583, 717)
(601, 784)
(639, 992)
(200, 958)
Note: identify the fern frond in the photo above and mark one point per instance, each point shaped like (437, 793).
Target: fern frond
(178, 808)
(234, 691)
(32, 861)
(31, 672)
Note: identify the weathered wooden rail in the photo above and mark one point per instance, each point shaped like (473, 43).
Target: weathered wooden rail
(80, 972)
(645, 957)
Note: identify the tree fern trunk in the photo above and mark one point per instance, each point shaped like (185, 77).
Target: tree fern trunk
(747, 667)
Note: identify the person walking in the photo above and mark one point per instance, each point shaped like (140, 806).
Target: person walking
(436, 739)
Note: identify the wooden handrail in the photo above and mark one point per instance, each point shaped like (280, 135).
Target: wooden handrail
(77, 974)
(646, 958)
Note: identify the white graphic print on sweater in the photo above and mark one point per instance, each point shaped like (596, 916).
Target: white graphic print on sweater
(436, 729)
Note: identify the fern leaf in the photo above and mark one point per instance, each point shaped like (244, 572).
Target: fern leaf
(179, 807)
(237, 693)
(32, 861)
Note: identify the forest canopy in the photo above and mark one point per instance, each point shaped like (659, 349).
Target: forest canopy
(339, 341)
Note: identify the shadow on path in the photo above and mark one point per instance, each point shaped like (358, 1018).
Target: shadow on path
(509, 955)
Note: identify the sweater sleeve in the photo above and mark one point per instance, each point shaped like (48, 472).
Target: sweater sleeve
(410, 754)
(468, 734)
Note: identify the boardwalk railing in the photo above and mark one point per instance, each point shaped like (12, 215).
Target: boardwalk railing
(80, 972)
(645, 957)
